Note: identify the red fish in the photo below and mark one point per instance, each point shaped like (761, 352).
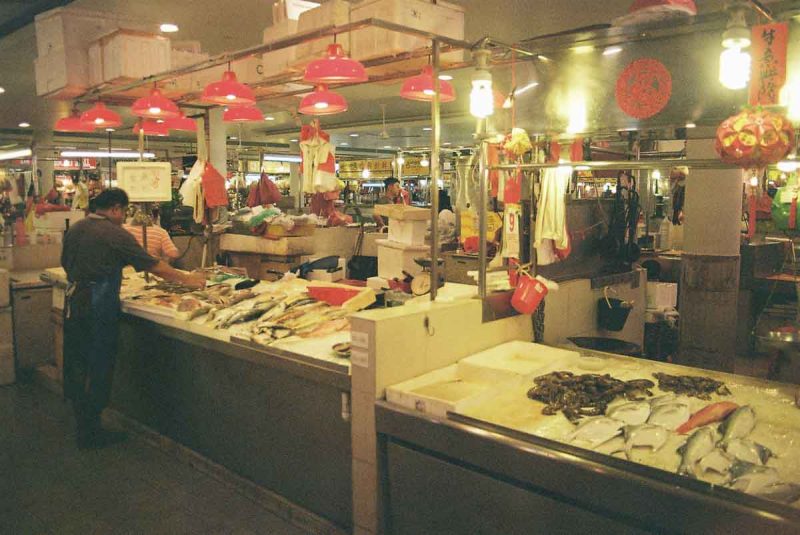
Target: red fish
(716, 412)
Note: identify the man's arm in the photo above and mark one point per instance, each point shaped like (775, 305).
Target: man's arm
(167, 272)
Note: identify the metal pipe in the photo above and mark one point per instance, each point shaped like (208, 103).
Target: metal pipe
(621, 164)
(436, 172)
(492, 42)
(762, 10)
(280, 44)
(483, 169)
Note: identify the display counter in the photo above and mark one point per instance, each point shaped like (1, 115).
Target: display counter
(494, 461)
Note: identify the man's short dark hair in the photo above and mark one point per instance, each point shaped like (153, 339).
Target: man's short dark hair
(110, 198)
(389, 181)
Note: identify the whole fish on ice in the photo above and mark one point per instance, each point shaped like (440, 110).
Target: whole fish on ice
(633, 413)
(670, 415)
(597, 430)
(739, 424)
(700, 444)
(748, 451)
(644, 436)
(716, 412)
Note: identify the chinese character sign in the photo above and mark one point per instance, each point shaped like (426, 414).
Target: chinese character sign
(145, 181)
(769, 63)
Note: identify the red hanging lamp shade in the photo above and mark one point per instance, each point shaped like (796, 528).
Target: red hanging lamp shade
(322, 102)
(151, 128)
(243, 114)
(182, 123)
(100, 116)
(73, 123)
(335, 68)
(420, 87)
(155, 106)
(228, 92)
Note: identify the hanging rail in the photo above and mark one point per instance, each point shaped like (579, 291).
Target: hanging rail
(620, 164)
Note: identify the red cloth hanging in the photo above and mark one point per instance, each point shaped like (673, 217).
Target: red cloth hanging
(576, 150)
(263, 193)
(214, 187)
(555, 152)
(512, 188)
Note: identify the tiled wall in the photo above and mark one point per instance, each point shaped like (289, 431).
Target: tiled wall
(572, 311)
(400, 344)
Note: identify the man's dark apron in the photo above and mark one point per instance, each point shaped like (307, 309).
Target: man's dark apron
(91, 326)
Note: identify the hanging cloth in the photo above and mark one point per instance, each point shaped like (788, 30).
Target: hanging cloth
(264, 192)
(551, 216)
(191, 190)
(213, 187)
(318, 159)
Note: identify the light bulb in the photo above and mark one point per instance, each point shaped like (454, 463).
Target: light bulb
(754, 181)
(365, 173)
(230, 97)
(656, 175)
(734, 68)
(481, 99)
(429, 92)
(576, 114)
(99, 120)
(400, 160)
(155, 110)
(320, 105)
(424, 162)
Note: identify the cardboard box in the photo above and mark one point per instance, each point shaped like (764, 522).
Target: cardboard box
(62, 74)
(126, 55)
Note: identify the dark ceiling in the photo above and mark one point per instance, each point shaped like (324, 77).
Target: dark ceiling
(14, 14)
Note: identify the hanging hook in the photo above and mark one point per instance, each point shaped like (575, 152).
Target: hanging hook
(429, 329)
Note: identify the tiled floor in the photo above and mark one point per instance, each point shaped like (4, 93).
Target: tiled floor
(48, 486)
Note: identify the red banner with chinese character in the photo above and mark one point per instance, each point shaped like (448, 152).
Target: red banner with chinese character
(769, 63)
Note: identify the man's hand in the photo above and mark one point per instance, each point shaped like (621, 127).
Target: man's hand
(195, 280)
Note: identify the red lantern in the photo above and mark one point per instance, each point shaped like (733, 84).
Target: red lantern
(754, 138)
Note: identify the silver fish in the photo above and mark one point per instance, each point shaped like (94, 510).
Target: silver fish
(700, 444)
(739, 424)
(717, 461)
(748, 451)
(787, 493)
(753, 478)
(670, 415)
(661, 400)
(644, 436)
(610, 447)
(633, 413)
(596, 430)
(248, 314)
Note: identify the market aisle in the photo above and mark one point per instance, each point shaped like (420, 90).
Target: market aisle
(49, 486)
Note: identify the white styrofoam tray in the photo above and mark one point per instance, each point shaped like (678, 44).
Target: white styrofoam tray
(514, 358)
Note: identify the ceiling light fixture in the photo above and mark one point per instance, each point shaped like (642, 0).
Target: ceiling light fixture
(126, 155)
(737, 34)
(228, 91)
(155, 106)
(322, 102)
(335, 68)
(734, 68)
(269, 118)
(365, 173)
(72, 123)
(612, 50)
(24, 125)
(353, 135)
(344, 144)
(100, 115)
(2, 90)
(424, 162)
(420, 87)
(243, 114)
(15, 154)
(168, 27)
(181, 123)
(481, 99)
(445, 77)
(151, 128)
(691, 125)
(290, 158)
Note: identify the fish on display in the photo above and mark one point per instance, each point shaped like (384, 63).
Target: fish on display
(700, 444)
(716, 412)
(644, 436)
(631, 413)
(787, 493)
(248, 314)
(717, 461)
(753, 478)
(671, 414)
(596, 430)
(611, 447)
(739, 424)
(748, 451)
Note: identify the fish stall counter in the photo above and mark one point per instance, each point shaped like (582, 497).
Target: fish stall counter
(260, 393)
(523, 438)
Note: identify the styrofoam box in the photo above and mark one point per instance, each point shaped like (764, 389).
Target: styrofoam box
(57, 221)
(394, 258)
(408, 232)
(59, 297)
(279, 61)
(662, 294)
(62, 73)
(437, 392)
(292, 246)
(514, 358)
(7, 375)
(335, 12)
(182, 58)
(324, 276)
(5, 288)
(68, 28)
(441, 18)
(127, 55)
(377, 283)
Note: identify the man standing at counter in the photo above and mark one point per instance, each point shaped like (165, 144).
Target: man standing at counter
(395, 194)
(94, 252)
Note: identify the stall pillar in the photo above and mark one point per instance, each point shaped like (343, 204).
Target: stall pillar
(44, 168)
(709, 283)
(217, 141)
(296, 185)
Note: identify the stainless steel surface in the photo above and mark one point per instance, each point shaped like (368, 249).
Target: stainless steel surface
(497, 306)
(483, 171)
(436, 172)
(652, 499)
(33, 339)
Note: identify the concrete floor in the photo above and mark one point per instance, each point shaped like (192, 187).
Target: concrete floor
(48, 486)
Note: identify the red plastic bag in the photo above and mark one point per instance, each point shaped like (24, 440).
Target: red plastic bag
(528, 295)
(214, 187)
(576, 150)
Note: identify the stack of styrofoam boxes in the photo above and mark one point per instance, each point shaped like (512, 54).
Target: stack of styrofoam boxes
(662, 295)
(325, 276)
(441, 18)
(125, 55)
(63, 36)
(6, 332)
(50, 227)
(183, 54)
(406, 242)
